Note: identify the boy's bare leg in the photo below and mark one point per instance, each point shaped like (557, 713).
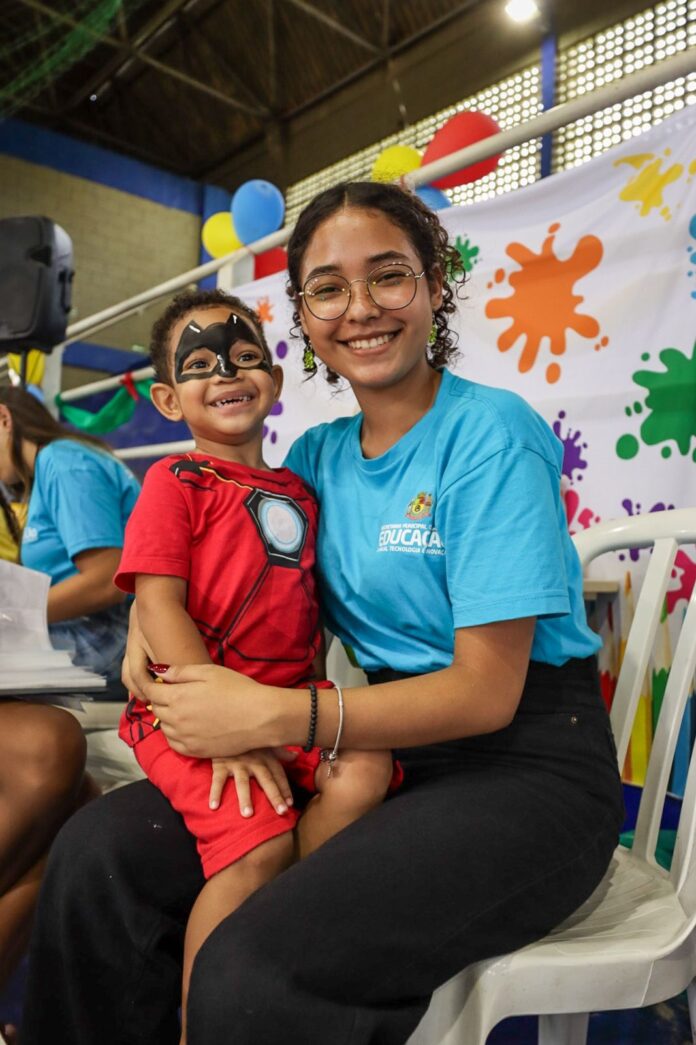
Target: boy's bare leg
(224, 892)
(358, 783)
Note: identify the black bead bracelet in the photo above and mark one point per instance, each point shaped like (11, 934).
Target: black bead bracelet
(313, 711)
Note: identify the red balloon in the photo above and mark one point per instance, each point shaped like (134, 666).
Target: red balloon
(273, 260)
(463, 129)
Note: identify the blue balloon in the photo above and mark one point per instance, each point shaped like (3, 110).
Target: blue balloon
(432, 197)
(258, 209)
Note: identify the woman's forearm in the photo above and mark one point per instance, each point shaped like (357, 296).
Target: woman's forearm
(478, 693)
(87, 591)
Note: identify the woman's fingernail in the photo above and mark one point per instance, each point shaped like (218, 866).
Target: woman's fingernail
(159, 669)
(214, 804)
(289, 801)
(247, 811)
(281, 808)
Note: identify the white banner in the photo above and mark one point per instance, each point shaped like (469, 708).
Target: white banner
(582, 298)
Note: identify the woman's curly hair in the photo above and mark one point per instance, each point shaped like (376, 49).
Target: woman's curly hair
(190, 301)
(423, 229)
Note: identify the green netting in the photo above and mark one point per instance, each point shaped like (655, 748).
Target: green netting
(36, 48)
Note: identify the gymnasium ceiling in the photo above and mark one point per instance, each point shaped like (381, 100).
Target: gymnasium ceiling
(213, 89)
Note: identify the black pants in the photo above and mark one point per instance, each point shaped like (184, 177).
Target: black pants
(491, 842)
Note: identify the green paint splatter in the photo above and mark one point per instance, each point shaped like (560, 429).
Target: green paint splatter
(627, 447)
(671, 400)
(467, 252)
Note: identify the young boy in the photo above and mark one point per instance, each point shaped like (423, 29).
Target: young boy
(219, 551)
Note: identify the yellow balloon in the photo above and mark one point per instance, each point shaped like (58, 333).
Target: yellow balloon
(219, 236)
(36, 364)
(394, 162)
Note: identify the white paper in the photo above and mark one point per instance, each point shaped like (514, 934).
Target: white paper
(28, 661)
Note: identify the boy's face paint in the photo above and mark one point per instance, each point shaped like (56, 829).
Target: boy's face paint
(221, 348)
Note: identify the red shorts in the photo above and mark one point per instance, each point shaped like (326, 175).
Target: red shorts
(223, 835)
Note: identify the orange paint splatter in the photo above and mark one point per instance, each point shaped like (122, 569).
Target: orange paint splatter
(647, 186)
(264, 307)
(542, 303)
(499, 275)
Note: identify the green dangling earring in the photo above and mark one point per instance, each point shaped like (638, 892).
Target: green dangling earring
(432, 336)
(309, 363)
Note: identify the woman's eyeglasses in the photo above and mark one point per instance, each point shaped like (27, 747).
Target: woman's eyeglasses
(390, 286)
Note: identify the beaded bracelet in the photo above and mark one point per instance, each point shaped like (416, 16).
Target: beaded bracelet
(313, 712)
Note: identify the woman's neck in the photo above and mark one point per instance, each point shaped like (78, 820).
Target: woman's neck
(389, 413)
(29, 452)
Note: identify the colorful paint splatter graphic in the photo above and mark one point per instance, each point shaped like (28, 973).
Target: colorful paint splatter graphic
(543, 303)
(573, 460)
(281, 351)
(685, 573)
(691, 251)
(468, 252)
(634, 508)
(646, 188)
(264, 307)
(577, 517)
(670, 405)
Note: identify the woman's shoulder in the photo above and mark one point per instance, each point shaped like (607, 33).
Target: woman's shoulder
(499, 416)
(69, 456)
(313, 443)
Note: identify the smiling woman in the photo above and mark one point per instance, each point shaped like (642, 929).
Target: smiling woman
(483, 682)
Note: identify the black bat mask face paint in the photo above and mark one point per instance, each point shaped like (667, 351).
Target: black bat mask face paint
(204, 351)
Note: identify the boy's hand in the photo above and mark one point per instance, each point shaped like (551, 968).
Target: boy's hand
(265, 767)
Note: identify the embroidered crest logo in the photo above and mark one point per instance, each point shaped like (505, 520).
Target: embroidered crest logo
(420, 507)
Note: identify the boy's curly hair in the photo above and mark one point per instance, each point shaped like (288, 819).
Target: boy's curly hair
(422, 227)
(188, 301)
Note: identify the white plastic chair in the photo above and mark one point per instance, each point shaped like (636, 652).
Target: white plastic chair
(633, 943)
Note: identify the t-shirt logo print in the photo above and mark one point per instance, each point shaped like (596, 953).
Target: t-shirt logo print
(420, 507)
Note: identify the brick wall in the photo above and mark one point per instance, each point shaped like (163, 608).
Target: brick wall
(122, 243)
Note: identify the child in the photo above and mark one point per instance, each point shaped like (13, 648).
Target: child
(219, 552)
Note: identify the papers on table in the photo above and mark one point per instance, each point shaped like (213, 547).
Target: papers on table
(29, 665)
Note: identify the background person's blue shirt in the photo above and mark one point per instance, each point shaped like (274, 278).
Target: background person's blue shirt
(460, 523)
(81, 498)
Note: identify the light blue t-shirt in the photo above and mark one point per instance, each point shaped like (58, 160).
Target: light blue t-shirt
(81, 498)
(460, 523)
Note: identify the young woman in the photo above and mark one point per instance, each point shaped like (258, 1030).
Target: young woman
(77, 498)
(445, 564)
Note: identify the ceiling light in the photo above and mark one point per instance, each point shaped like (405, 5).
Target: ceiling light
(522, 10)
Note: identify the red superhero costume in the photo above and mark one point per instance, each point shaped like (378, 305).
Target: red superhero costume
(243, 539)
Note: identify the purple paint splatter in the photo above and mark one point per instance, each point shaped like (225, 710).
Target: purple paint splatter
(572, 450)
(632, 509)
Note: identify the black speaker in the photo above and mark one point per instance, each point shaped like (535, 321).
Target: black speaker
(35, 283)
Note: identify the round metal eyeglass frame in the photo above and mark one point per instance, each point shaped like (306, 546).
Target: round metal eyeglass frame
(369, 281)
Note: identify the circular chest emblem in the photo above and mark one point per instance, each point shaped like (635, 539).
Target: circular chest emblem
(282, 525)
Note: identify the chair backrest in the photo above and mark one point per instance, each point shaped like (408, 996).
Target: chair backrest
(664, 532)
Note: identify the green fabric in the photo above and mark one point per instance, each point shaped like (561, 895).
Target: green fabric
(118, 411)
(664, 849)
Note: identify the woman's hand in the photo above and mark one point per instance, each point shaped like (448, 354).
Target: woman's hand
(265, 767)
(134, 673)
(212, 712)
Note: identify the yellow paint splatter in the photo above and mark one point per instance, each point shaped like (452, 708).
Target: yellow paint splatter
(646, 188)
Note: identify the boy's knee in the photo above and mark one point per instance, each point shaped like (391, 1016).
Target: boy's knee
(267, 860)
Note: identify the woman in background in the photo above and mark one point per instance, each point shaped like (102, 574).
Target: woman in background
(78, 497)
